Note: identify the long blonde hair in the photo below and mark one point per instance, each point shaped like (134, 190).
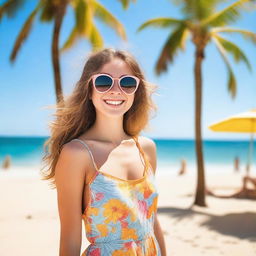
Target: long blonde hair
(76, 114)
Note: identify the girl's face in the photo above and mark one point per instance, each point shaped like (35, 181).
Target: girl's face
(115, 68)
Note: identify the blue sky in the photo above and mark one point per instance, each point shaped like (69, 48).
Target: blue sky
(27, 85)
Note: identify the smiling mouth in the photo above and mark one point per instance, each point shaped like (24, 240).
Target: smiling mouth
(114, 102)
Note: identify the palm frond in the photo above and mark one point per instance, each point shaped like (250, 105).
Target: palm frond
(105, 16)
(49, 9)
(184, 39)
(81, 9)
(170, 49)
(95, 38)
(229, 14)
(234, 50)
(161, 23)
(73, 36)
(10, 7)
(198, 10)
(248, 35)
(23, 34)
(84, 17)
(125, 3)
(231, 80)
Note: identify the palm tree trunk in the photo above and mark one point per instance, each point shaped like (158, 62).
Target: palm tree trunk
(200, 189)
(55, 51)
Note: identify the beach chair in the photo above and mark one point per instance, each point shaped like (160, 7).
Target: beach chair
(244, 192)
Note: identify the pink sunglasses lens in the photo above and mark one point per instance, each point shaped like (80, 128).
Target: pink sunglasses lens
(103, 83)
(128, 84)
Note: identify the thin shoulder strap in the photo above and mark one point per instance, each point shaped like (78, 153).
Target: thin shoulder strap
(87, 147)
(145, 158)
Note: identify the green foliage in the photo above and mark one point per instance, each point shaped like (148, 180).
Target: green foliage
(24, 32)
(125, 3)
(10, 7)
(85, 11)
(96, 38)
(234, 50)
(248, 35)
(72, 38)
(226, 16)
(48, 10)
(84, 17)
(161, 23)
(197, 10)
(203, 22)
(231, 76)
(170, 49)
(106, 17)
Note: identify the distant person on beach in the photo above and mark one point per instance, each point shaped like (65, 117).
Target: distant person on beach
(103, 170)
(7, 162)
(183, 168)
(236, 164)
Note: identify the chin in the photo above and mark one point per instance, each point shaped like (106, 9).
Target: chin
(116, 114)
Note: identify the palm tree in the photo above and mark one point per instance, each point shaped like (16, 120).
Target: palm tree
(54, 11)
(203, 24)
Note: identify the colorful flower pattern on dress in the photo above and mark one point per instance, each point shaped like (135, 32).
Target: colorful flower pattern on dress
(120, 217)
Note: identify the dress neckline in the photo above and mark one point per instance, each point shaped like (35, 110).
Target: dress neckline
(146, 167)
(131, 181)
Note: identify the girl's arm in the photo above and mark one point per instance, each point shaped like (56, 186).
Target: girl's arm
(150, 150)
(70, 178)
(159, 236)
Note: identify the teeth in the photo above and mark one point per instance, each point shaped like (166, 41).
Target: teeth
(117, 102)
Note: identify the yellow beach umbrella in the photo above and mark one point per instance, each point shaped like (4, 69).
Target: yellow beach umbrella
(244, 123)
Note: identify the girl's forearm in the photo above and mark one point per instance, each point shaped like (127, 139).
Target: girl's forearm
(160, 237)
(69, 247)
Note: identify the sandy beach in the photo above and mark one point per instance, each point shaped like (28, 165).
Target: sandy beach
(29, 222)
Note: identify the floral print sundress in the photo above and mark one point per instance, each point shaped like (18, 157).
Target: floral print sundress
(119, 219)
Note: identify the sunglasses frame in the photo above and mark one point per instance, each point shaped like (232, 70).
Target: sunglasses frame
(113, 81)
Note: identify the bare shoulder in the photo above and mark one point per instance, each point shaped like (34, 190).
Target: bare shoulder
(73, 160)
(75, 151)
(70, 177)
(147, 143)
(149, 147)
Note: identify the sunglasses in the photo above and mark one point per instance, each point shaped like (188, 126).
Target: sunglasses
(104, 82)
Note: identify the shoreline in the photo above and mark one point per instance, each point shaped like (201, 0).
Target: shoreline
(162, 168)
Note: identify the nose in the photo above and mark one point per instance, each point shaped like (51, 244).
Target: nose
(116, 88)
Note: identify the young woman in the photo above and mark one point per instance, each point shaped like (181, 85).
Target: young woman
(102, 169)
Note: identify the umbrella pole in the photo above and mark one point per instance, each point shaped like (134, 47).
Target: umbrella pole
(250, 154)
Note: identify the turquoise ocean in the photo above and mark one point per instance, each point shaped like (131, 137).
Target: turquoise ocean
(26, 152)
